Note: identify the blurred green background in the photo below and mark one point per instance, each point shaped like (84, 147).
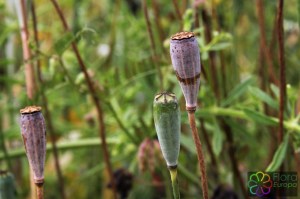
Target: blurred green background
(238, 101)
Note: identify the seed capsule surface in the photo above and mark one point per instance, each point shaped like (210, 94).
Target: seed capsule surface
(33, 132)
(167, 124)
(185, 56)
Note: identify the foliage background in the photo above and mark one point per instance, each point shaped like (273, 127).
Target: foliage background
(114, 42)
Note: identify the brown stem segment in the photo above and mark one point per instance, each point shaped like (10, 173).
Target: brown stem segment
(200, 155)
(280, 35)
(29, 72)
(47, 112)
(233, 160)
(152, 43)
(40, 191)
(211, 54)
(263, 41)
(95, 99)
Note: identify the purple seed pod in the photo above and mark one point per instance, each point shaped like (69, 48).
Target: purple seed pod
(33, 131)
(185, 56)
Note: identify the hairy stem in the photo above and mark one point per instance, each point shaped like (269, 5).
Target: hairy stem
(200, 155)
(40, 191)
(95, 99)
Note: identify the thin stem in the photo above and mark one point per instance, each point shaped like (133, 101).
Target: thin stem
(178, 13)
(209, 146)
(29, 71)
(45, 104)
(160, 30)
(175, 185)
(84, 143)
(199, 154)
(152, 42)
(212, 55)
(121, 124)
(95, 99)
(280, 38)
(40, 192)
(263, 41)
(233, 160)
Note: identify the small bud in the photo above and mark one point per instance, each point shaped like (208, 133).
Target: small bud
(34, 137)
(167, 124)
(185, 56)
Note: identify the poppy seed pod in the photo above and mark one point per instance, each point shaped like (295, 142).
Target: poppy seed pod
(185, 56)
(34, 137)
(167, 124)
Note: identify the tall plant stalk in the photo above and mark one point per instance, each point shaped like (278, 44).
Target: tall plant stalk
(200, 155)
(264, 47)
(280, 37)
(95, 98)
(48, 117)
(152, 43)
(29, 70)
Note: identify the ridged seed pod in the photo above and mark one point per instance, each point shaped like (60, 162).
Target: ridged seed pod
(185, 56)
(7, 186)
(167, 124)
(34, 137)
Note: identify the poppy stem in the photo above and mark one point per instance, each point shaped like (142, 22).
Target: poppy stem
(200, 155)
(175, 185)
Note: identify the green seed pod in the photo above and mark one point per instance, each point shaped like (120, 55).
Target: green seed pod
(167, 124)
(33, 131)
(7, 185)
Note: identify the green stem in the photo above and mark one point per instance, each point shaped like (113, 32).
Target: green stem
(90, 142)
(216, 111)
(175, 185)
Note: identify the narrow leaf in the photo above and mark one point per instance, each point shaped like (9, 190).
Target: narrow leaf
(259, 117)
(237, 91)
(63, 43)
(263, 96)
(279, 155)
(275, 90)
(217, 139)
(188, 143)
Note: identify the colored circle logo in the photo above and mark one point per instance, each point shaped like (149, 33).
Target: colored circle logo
(260, 184)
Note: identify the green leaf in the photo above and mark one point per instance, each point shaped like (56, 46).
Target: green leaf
(237, 91)
(279, 155)
(275, 90)
(187, 20)
(188, 143)
(263, 96)
(219, 46)
(217, 139)
(259, 117)
(63, 43)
